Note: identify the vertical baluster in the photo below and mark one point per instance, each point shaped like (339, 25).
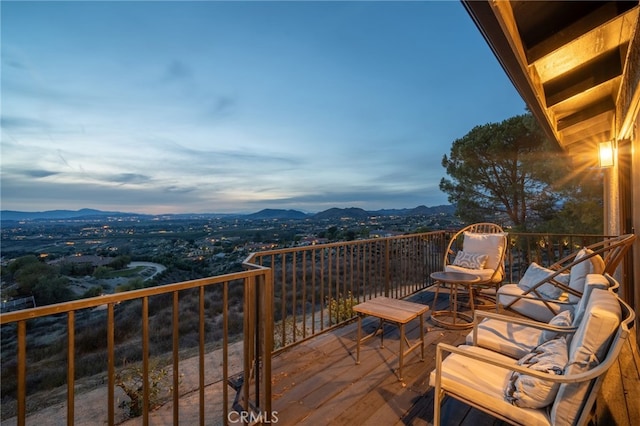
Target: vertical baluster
(111, 363)
(70, 367)
(201, 352)
(225, 348)
(322, 295)
(145, 360)
(22, 373)
(313, 291)
(176, 356)
(304, 293)
(283, 298)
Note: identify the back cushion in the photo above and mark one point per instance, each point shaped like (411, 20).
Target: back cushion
(579, 272)
(592, 282)
(490, 244)
(588, 348)
(535, 274)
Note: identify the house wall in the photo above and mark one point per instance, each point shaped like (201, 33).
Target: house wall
(635, 217)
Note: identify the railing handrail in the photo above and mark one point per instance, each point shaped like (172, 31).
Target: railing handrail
(94, 302)
(287, 250)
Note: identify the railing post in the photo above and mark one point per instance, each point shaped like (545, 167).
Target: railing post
(22, 373)
(249, 325)
(387, 267)
(267, 312)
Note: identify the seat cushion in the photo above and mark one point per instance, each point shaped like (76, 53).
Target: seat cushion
(507, 338)
(531, 308)
(484, 274)
(484, 383)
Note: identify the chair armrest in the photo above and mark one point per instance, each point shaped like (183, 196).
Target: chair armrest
(528, 295)
(443, 348)
(479, 315)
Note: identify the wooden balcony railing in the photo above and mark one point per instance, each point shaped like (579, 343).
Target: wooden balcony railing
(207, 302)
(315, 286)
(283, 298)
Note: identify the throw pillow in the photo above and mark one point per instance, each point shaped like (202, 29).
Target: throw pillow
(490, 244)
(535, 274)
(563, 319)
(527, 391)
(579, 271)
(470, 260)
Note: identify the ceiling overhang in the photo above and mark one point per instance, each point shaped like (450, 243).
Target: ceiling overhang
(575, 63)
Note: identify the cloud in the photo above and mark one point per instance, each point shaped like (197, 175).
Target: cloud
(134, 178)
(39, 173)
(222, 106)
(178, 70)
(22, 123)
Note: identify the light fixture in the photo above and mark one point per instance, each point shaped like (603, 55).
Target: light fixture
(606, 154)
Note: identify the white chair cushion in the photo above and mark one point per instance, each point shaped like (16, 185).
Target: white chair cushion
(477, 381)
(536, 273)
(491, 244)
(484, 274)
(592, 282)
(512, 340)
(579, 272)
(470, 260)
(523, 390)
(531, 308)
(588, 347)
(563, 319)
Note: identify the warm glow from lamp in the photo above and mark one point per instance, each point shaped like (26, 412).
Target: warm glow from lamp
(606, 154)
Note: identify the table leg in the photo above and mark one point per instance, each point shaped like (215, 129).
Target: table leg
(421, 337)
(359, 338)
(381, 328)
(453, 303)
(471, 302)
(435, 298)
(401, 351)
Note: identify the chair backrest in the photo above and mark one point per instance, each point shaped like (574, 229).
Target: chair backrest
(612, 250)
(608, 252)
(593, 349)
(497, 247)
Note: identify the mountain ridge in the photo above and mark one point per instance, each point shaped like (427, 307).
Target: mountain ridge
(265, 214)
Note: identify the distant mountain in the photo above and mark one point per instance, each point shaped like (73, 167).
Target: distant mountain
(267, 214)
(424, 210)
(60, 214)
(417, 211)
(336, 213)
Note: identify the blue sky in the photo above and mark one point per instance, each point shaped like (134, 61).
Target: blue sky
(175, 107)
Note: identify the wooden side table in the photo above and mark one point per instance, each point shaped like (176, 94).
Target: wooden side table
(452, 317)
(398, 312)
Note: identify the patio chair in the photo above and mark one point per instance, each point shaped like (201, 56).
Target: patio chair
(555, 384)
(517, 336)
(543, 292)
(478, 249)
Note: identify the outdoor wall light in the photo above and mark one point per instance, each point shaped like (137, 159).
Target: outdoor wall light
(606, 154)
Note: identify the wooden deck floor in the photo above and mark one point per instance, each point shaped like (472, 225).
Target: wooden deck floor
(318, 382)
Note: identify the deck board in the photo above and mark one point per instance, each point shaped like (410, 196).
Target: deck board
(318, 382)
